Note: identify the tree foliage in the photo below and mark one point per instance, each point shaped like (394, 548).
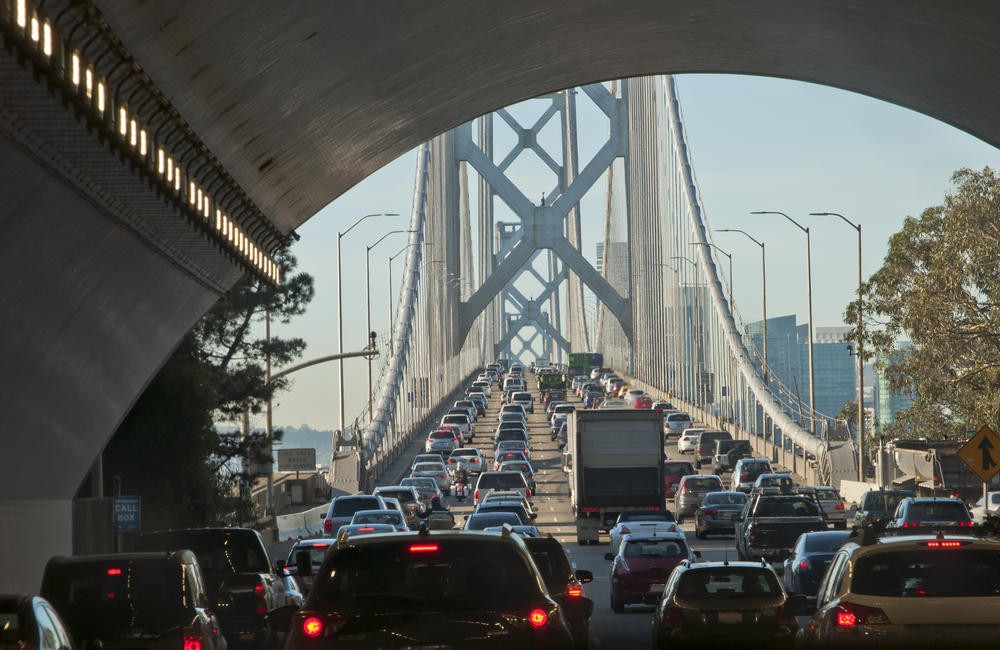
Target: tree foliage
(939, 287)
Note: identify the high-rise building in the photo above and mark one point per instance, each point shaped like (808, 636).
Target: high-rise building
(888, 404)
(600, 256)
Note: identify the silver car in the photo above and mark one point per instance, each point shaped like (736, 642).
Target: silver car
(715, 514)
(676, 423)
(691, 491)
(385, 517)
(426, 488)
(441, 442)
(435, 471)
(833, 506)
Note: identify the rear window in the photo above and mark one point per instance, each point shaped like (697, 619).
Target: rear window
(937, 511)
(378, 517)
(347, 507)
(727, 583)
(828, 494)
(551, 561)
(678, 469)
(442, 435)
(522, 397)
(776, 482)
(425, 482)
(426, 467)
(646, 516)
(95, 598)
(726, 499)
(755, 468)
(451, 575)
(403, 496)
(825, 543)
(316, 552)
(656, 548)
(929, 573)
(515, 467)
(465, 452)
(218, 551)
(510, 416)
(488, 520)
(456, 419)
(791, 507)
(678, 417)
(883, 501)
(564, 408)
(703, 484)
(494, 480)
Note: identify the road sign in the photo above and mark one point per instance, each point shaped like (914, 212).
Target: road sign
(982, 454)
(125, 515)
(296, 460)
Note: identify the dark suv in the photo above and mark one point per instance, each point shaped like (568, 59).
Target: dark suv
(704, 449)
(442, 590)
(154, 600)
(242, 583)
(565, 587)
(921, 516)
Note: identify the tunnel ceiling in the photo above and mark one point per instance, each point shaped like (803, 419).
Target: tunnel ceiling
(302, 99)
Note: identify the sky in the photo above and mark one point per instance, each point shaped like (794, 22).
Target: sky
(755, 144)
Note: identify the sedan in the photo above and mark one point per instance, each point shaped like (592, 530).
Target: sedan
(714, 517)
(508, 456)
(384, 517)
(676, 423)
(592, 399)
(480, 401)
(520, 466)
(426, 488)
(557, 423)
(642, 402)
(643, 565)
(490, 520)
(435, 471)
(441, 442)
(805, 567)
(562, 436)
(563, 410)
(673, 472)
(687, 440)
(471, 459)
(550, 407)
(514, 445)
(640, 522)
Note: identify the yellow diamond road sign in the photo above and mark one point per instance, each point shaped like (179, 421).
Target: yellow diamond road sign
(982, 454)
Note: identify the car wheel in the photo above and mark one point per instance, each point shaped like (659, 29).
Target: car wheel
(842, 525)
(616, 605)
(700, 534)
(697, 463)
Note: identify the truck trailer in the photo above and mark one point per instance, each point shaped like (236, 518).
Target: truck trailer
(617, 465)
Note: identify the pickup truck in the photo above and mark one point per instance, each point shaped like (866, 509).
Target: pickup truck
(770, 524)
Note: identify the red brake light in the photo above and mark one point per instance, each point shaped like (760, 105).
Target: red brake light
(367, 528)
(329, 524)
(847, 616)
(840, 506)
(845, 619)
(804, 564)
(675, 616)
(709, 512)
(574, 592)
(423, 548)
(312, 626)
(259, 588)
(538, 618)
(477, 495)
(192, 643)
(114, 572)
(626, 531)
(939, 544)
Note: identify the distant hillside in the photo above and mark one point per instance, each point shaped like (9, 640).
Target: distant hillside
(301, 437)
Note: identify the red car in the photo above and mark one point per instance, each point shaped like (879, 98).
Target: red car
(673, 471)
(643, 566)
(643, 402)
(554, 396)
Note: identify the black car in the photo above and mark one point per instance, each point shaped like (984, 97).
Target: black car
(28, 623)
(565, 587)
(443, 589)
(921, 516)
(156, 601)
(805, 567)
(242, 583)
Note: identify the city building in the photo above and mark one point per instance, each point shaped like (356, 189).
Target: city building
(887, 404)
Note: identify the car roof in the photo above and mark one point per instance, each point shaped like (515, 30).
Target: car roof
(886, 544)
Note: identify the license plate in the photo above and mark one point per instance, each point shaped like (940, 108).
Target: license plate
(730, 618)
(657, 587)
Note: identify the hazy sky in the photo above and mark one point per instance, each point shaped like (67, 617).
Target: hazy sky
(756, 144)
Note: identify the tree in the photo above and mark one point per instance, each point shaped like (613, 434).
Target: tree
(939, 286)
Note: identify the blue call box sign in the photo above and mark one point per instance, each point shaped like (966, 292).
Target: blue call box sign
(125, 515)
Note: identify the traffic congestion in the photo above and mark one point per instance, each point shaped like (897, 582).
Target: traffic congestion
(547, 510)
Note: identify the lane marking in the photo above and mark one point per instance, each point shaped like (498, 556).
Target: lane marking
(558, 530)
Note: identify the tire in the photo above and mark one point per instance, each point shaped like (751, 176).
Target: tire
(841, 525)
(617, 606)
(700, 534)
(697, 462)
(581, 542)
(733, 456)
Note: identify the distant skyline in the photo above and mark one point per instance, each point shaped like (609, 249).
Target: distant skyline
(756, 144)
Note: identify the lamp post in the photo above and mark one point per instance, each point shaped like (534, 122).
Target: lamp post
(861, 360)
(809, 294)
(340, 312)
(391, 258)
(698, 324)
(763, 292)
(730, 268)
(368, 310)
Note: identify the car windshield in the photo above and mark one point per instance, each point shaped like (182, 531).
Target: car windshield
(703, 484)
(403, 496)
(218, 551)
(937, 511)
(106, 598)
(378, 517)
(726, 499)
(928, 573)
(417, 576)
(428, 467)
(727, 582)
(825, 542)
(678, 469)
(655, 548)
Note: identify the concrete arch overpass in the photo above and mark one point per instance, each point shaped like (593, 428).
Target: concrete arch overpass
(298, 102)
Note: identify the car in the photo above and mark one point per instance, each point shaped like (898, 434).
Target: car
(475, 390)
(490, 481)
(342, 510)
(784, 482)
(316, 548)
(771, 523)
(481, 403)
(643, 565)
(463, 422)
(875, 505)
(633, 393)
(510, 496)
(510, 408)
(408, 498)
(805, 567)
(979, 510)
(662, 406)
(729, 452)
(554, 396)
(642, 402)
(688, 440)
(565, 586)
(557, 423)
(641, 521)
(32, 623)
(477, 521)
(715, 515)
(911, 591)
(725, 605)
(443, 589)
(592, 399)
(527, 516)
(353, 530)
(426, 488)
(525, 399)
(513, 416)
(562, 437)
(704, 448)
(563, 410)
(746, 471)
(675, 423)
(513, 455)
(920, 515)
(691, 490)
(386, 517)
(485, 385)
(508, 435)
(513, 384)
(469, 406)
(673, 472)
(623, 390)
(425, 458)
(470, 458)
(520, 466)
(116, 598)
(551, 407)
(833, 506)
(436, 471)
(441, 442)
(513, 445)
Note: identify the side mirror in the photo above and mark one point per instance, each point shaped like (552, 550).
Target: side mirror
(280, 564)
(281, 618)
(609, 557)
(584, 576)
(854, 507)
(795, 605)
(533, 515)
(735, 518)
(697, 554)
(534, 508)
(303, 564)
(783, 555)
(651, 599)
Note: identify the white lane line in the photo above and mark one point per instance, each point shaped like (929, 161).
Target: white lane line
(573, 564)
(558, 530)
(552, 508)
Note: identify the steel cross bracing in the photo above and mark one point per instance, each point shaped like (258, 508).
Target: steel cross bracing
(544, 226)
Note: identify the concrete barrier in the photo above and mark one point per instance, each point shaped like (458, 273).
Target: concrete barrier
(852, 490)
(302, 525)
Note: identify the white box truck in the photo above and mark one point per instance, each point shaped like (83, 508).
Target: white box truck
(617, 464)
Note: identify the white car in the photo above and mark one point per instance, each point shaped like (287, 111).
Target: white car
(392, 518)
(641, 522)
(514, 445)
(525, 399)
(978, 511)
(486, 386)
(687, 441)
(510, 408)
(470, 457)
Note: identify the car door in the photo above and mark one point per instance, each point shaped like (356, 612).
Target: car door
(829, 596)
(788, 574)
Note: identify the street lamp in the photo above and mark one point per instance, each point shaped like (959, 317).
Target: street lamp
(368, 308)
(391, 258)
(340, 312)
(730, 268)
(809, 294)
(861, 361)
(763, 291)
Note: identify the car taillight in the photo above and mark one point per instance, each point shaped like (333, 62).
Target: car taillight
(910, 524)
(444, 476)
(804, 564)
(787, 619)
(574, 591)
(323, 625)
(848, 616)
(626, 531)
(750, 533)
(673, 616)
(868, 519)
(538, 618)
(192, 643)
(840, 506)
(477, 495)
(527, 492)
(328, 525)
(261, 598)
